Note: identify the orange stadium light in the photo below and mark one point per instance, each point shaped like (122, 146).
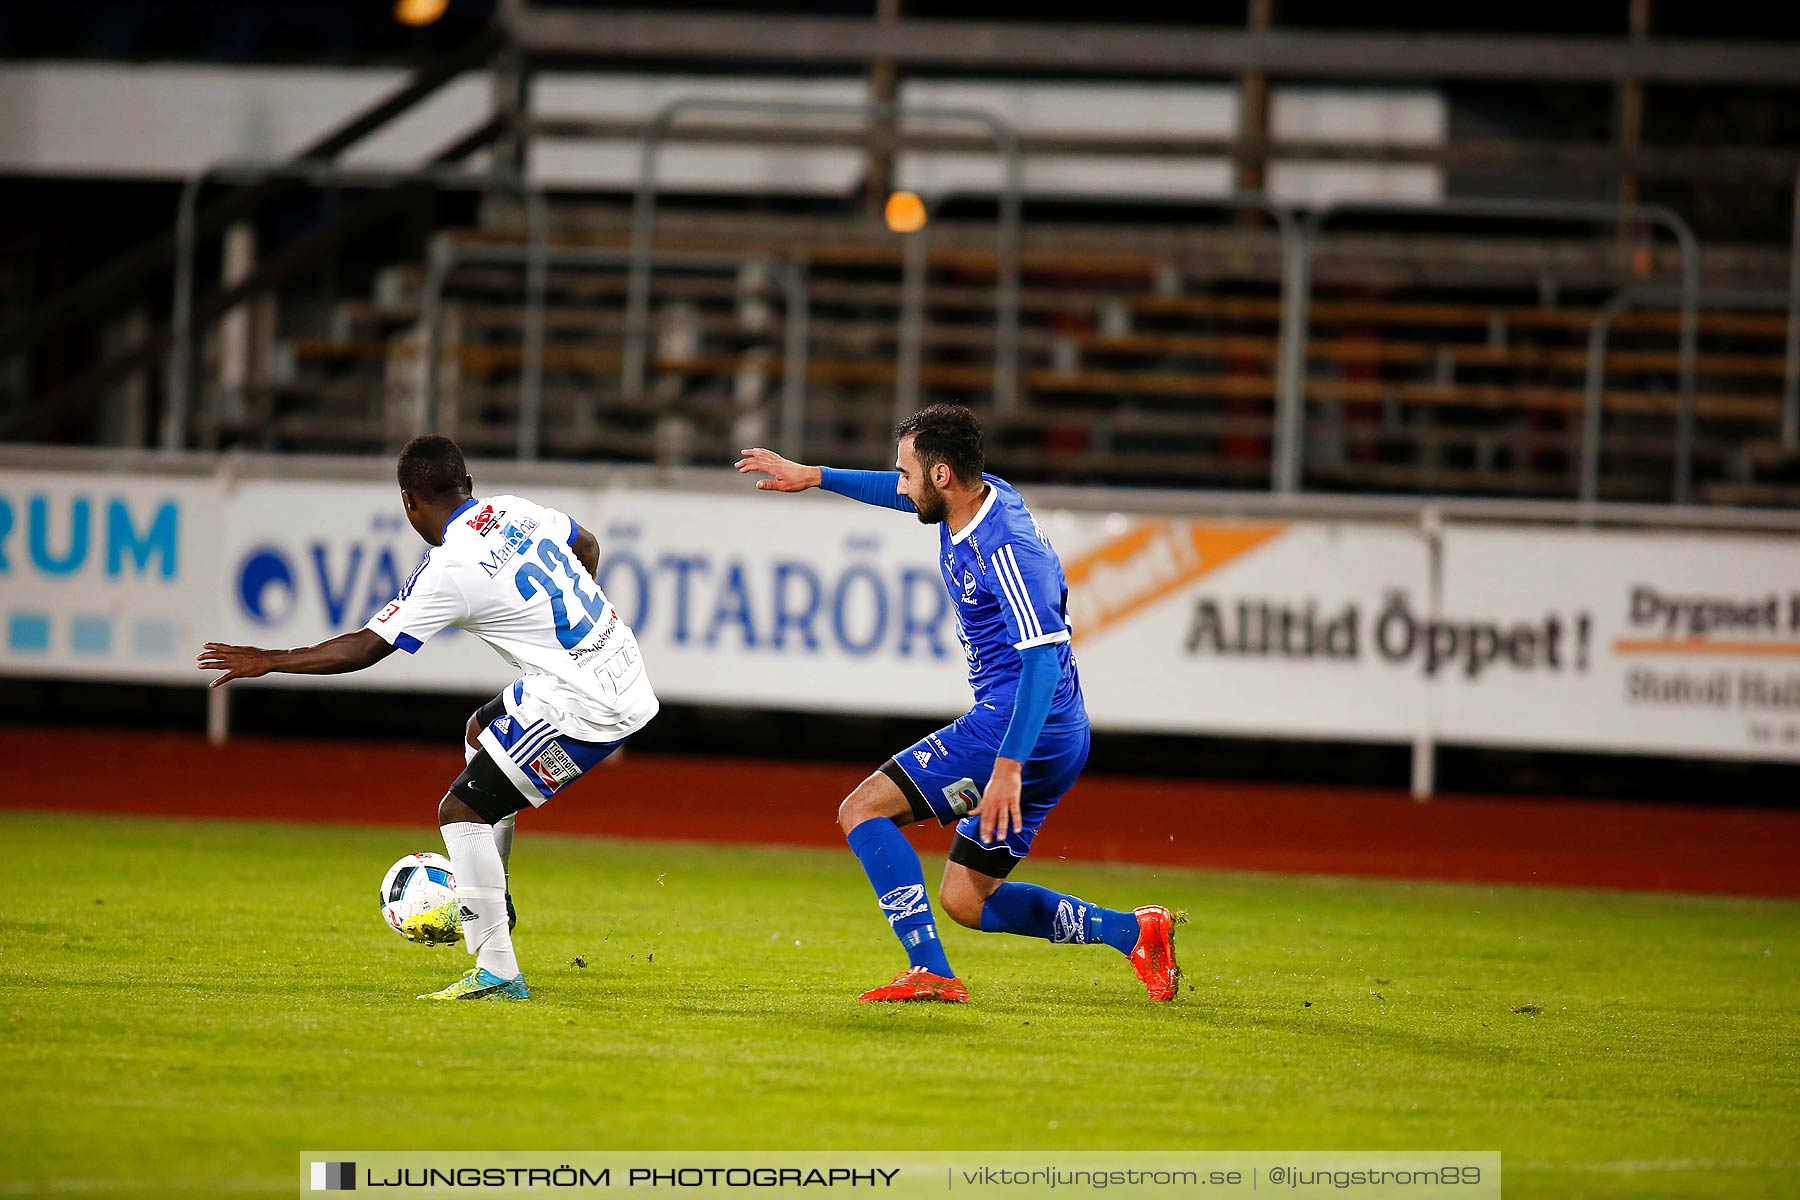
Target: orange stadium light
(905, 212)
(419, 12)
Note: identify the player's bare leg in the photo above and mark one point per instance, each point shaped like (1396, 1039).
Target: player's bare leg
(964, 892)
(1146, 935)
(871, 817)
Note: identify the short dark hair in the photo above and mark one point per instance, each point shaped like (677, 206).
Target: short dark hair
(431, 467)
(949, 434)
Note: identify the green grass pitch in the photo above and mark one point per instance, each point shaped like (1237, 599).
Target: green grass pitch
(185, 1006)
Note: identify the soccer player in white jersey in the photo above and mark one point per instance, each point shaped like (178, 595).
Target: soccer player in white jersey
(520, 577)
(996, 772)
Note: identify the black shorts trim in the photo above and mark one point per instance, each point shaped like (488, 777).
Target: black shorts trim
(996, 862)
(486, 789)
(921, 811)
(490, 712)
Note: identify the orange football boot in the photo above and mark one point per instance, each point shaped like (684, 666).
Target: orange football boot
(1153, 958)
(916, 983)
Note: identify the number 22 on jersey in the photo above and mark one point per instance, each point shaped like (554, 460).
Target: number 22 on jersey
(531, 579)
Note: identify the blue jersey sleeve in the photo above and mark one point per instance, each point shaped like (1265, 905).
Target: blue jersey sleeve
(1038, 676)
(1029, 582)
(871, 487)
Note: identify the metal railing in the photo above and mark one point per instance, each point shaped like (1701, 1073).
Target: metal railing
(1594, 395)
(446, 255)
(1208, 502)
(1299, 242)
(643, 217)
(1790, 380)
(184, 352)
(910, 347)
(1287, 365)
(1535, 210)
(121, 280)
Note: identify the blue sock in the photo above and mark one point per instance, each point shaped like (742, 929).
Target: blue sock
(893, 869)
(1033, 911)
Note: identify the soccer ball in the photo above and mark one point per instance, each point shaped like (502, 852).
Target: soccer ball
(418, 900)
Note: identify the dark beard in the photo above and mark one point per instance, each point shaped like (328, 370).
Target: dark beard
(932, 506)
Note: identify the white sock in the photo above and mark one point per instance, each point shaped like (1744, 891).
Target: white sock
(503, 835)
(481, 893)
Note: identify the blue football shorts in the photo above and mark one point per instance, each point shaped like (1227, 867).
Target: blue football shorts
(521, 738)
(943, 774)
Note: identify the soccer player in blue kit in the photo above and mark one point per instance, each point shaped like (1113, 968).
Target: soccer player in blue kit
(996, 772)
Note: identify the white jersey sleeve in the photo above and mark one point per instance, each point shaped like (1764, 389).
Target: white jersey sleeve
(429, 601)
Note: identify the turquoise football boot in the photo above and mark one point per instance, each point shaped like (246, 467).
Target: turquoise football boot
(483, 984)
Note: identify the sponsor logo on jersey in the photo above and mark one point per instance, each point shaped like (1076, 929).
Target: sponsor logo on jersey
(903, 902)
(503, 725)
(487, 520)
(582, 653)
(553, 766)
(1070, 923)
(924, 756)
(513, 538)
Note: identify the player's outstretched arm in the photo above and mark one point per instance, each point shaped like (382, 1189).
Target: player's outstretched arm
(587, 551)
(783, 475)
(880, 488)
(339, 656)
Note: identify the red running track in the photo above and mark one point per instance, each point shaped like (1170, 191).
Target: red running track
(1190, 823)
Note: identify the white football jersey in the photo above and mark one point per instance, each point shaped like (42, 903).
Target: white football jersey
(507, 573)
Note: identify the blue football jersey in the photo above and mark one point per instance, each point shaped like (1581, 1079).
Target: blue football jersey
(1008, 593)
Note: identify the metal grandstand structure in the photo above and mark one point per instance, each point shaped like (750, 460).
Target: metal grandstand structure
(1195, 349)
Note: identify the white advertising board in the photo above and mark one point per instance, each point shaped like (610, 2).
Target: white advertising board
(1239, 627)
(1668, 643)
(1652, 642)
(106, 576)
